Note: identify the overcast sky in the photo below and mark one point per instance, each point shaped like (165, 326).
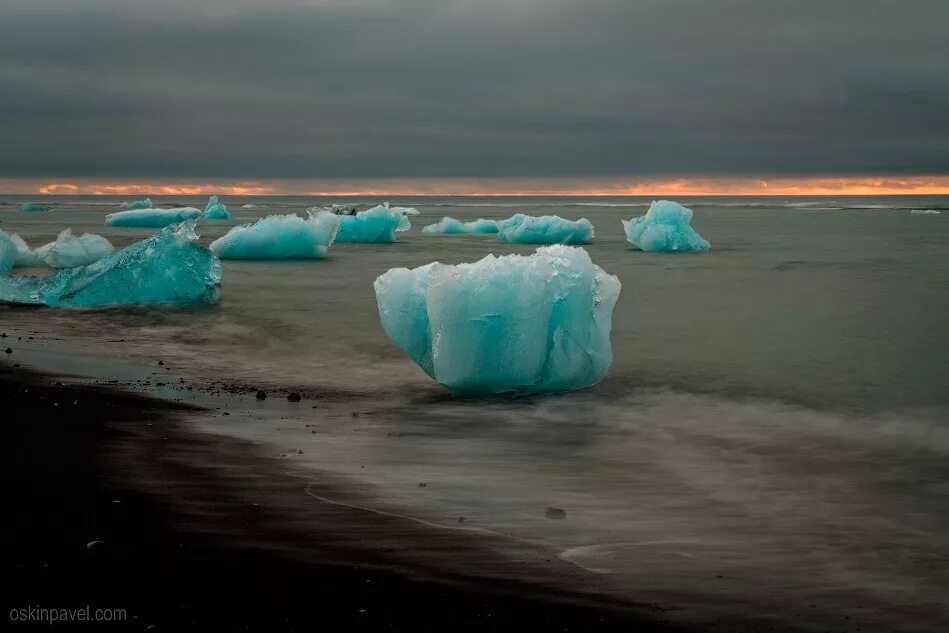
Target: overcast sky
(472, 88)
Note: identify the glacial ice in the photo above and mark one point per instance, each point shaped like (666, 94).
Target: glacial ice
(402, 210)
(152, 218)
(547, 229)
(26, 256)
(8, 253)
(215, 210)
(254, 206)
(451, 226)
(378, 224)
(665, 229)
(524, 324)
(280, 237)
(69, 251)
(35, 207)
(924, 212)
(166, 268)
(137, 204)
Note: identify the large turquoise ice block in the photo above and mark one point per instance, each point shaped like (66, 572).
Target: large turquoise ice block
(280, 237)
(546, 229)
(137, 204)
(35, 207)
(215, 210)
(152, 218)
(378, 224)
(69, 251)
(166, 268)
(665, 229)
(451, 226)
(511, 324)
(8, 253)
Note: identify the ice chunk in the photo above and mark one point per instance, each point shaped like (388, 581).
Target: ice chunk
(8, 253)
(166, 268)
(280, 237)
(450, 226)
(215, 210)
(403, 210)
(152, 218)
(69, 251)
(25, 256)
(665, 229)
(924, 212)
(378, 224)
(35, 207)
(547, 229)
(137, 204)
(254, 206)
(515, 323)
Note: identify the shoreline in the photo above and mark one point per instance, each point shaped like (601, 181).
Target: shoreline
(119, 505)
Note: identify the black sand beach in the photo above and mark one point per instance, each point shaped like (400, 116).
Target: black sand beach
(118, 506)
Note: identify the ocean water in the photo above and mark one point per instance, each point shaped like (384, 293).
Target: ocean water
(772, 439)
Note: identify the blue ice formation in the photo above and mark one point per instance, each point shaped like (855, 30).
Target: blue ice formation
(8, 253)
(26, 256)
(451, 226)
(378, 224)
(511, 324)
(35, 207)
(69, 251)
(166, 268)
(137, 204)
(547, 229)
(215, 210)
(152, 218)
(924, 212)
(665, 229)
(280, 237)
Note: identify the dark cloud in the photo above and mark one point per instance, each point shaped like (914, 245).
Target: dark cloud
(406, 88)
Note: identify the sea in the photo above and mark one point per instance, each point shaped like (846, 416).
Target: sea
(771, 440)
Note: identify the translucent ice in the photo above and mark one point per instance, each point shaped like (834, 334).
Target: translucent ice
(450, 226)
(26, 256)
(8, 253)
(665, 229)
(152, 218)
(280, 237)
(924, 212)
(166, 268)
(215, 210)
(378, 224)
(69, 251)
(547, 229)
(522, 324)
(34, 207)
(137, 204)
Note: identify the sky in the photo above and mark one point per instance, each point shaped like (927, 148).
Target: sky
(474, 96)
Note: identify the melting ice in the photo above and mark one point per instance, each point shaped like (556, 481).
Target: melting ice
(152, 218)
(215, 210)
(137, 204)
(665, 229)
(547, 229)
(451, 226)
(523, 324)
(35, 207)
(280, 237)
(378, 224)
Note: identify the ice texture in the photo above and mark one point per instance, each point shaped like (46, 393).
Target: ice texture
(924, 212)
(523, 324)
(215, 210)
(166, 268)
(280, 237)
(137, 204)
(26, 256)
(69, 251)
(35, 207)
(8, 253)
(665, 229)
(546, 229)
(378, 224)
(152, 218)
(451, 226)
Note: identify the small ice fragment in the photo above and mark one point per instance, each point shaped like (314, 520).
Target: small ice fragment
(8, 253)
(547, 229)
(69, 251)
(152, 218)
(665, 229)
(215, 210)
(137, 204)
(166, 268)
(378, 224)
(523, 324)
(280, 237)
(35, 207)
(403, 210)
(254, 206)
(451, 226)
(924, 212)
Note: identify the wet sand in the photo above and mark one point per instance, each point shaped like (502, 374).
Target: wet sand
(118, 504)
